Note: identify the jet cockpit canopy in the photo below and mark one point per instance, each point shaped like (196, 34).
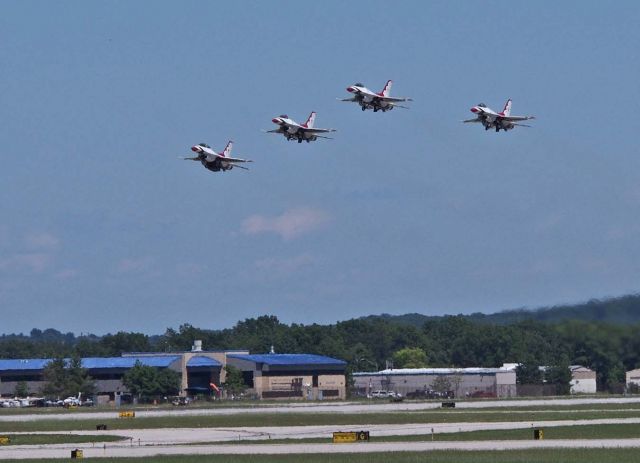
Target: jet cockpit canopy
(204, 145)
(284, 116)
(359, 84)
(482, 105)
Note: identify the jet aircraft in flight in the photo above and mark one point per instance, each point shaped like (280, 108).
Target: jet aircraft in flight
(503, 120)
(294, 131)
(216, 162)
(368, 99)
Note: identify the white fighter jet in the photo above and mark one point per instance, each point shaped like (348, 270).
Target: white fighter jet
(503, 120)
(294, 131)
(216, 162)
(368, 99)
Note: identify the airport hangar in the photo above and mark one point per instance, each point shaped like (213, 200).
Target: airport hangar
(462, 382)
(267, 376)
(465, 382)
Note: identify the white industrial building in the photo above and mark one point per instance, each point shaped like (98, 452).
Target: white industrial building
(462, 382)
(633, 377)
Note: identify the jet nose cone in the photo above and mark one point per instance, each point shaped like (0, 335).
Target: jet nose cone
(474, 109)
(195, 149)
(275, 120)
(350, 89)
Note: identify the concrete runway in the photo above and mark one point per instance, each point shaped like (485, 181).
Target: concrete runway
(148, 442)
(271, 449)
(184, 436)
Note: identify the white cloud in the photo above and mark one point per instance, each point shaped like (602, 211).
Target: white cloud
(35, 262)
(41, 240)
(288, 225)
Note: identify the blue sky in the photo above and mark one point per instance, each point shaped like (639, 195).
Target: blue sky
(103, 229)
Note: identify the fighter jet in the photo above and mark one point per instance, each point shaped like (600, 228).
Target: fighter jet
(216, 162)
(294, 131)
(368, 99)
(503, 120)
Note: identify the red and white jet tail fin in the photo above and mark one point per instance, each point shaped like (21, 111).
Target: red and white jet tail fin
(507, 108)
(311, 120)
(227, 151)
(387, 88)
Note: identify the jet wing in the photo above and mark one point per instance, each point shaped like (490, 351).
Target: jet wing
(515, 118)
(234, 159)
(391, 99)
(312, 130)
(472, 120)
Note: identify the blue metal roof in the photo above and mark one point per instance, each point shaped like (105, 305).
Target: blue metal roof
(91, 362)
(289, 359)
(128, 362)
(202, 361)
(23, 364)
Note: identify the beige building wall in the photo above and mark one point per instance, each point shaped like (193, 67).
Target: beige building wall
(331, 382)
(633, 376)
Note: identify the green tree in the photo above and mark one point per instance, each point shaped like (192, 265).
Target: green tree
(21, 390)
(116, 344)
(410, 357)
(234, 382)
(560, 376)
(441, 384)
(65, 378)
(147, 383)
(528, 373)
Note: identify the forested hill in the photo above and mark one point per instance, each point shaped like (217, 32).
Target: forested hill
(618, 311)
(602, 335)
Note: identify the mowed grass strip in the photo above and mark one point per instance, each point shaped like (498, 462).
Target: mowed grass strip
(306, 419)
(45, 439)
(503, 456)
(608, 431)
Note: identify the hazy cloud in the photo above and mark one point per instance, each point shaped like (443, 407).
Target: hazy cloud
(289, 225)
(42, 240)
(35, 262)
(4, 235)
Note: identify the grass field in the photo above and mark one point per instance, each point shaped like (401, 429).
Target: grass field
(302, 419)
(509, 456)
(609, 431)
(44, 439)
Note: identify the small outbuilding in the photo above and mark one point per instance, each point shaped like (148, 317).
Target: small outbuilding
(633, 378)
(583, 380)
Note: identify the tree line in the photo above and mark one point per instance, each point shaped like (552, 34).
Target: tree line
(372, 343)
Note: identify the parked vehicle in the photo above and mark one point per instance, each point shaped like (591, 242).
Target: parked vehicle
(181, 401)
(430, 394)
(381, 394)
